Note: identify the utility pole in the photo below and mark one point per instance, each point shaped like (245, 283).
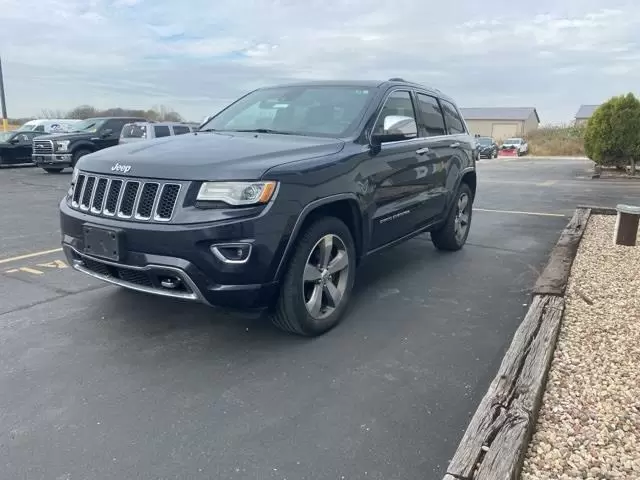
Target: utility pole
(5, 121)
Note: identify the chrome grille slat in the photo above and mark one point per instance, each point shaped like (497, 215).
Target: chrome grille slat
(126, 198)
(165, 206)
(126, 209)
(79, 189)
(115, 188)
(102, 181)
(87, 192)
(143, 210)
(42, 147)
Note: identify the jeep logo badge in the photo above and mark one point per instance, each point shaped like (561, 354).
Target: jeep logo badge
(121, 168)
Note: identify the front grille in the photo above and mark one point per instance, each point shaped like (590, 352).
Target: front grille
(42, 147)
(137, 277)
(138, 199)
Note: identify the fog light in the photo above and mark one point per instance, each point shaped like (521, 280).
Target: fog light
(170, 282)
(232, 252)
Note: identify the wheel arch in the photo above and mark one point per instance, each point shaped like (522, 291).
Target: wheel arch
(344, 206)
(470, 178)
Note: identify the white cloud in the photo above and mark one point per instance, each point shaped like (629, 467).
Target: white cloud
(196, 58)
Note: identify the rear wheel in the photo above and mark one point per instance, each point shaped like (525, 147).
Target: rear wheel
(52, 169)
(319, 280)
(453, 234)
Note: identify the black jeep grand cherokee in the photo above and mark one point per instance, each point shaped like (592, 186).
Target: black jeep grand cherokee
(276, 199)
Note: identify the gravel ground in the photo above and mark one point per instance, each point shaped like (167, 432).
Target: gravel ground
(589, 423)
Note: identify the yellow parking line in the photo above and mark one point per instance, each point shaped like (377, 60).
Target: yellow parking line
(29, 255)
(30, 270)
(548, 183)
(516, 212)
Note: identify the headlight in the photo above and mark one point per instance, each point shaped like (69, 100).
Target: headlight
(237, 193)
(62, 145)
(74, 177)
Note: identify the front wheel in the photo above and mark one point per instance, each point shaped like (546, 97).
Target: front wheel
(319, 280)
(453, 234)
(77, 155)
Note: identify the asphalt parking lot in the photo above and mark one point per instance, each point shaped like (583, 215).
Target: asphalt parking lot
(97, 382)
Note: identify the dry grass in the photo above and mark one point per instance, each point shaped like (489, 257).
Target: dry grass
(557, 141)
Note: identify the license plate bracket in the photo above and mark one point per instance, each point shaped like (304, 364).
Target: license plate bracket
(102, 242)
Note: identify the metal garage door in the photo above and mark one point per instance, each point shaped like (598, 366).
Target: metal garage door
(502, 131)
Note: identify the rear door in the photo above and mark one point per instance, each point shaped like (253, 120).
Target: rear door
(181, 129)
(161, 131)
(434, 168)
(461, 146)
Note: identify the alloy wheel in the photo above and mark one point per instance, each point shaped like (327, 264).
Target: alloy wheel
(463, 215)
(325, 277)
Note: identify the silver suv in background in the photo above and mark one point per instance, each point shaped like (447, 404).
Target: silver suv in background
(134, 132)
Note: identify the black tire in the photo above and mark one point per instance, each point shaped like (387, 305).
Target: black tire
(78, 154)
(447, 237)
(52, 169)
(291, 313)
(495, 154)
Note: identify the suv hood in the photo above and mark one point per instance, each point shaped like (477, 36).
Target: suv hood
(68, 136)
(208, 156)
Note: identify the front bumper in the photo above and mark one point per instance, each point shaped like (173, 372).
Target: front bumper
(54, 159)
(176, 260)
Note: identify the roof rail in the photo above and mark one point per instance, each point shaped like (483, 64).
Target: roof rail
(397, 79)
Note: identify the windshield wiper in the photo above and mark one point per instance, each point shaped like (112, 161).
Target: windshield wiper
(262, 130)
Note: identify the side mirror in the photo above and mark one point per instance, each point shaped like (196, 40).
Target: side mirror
(395, 129)
(106, 132)
(14, 140)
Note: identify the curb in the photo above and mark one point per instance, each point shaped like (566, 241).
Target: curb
(540, 157)
(495, 442)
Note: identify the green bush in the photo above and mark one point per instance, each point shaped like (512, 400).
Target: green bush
(612, 136)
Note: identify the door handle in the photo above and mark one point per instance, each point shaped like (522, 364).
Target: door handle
(422, 151)
(455, 145)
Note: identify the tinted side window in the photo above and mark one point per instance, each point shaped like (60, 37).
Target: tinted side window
(397, 116)
(431, 115)
(161, 131)
(116, 125)
(180, 130)
(39, 128)
(453, 120)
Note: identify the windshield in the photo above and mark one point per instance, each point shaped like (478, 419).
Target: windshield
(484, 141)
(514, 141)
(88, 125)
(4, 136)
(27, 127)
(303, 110)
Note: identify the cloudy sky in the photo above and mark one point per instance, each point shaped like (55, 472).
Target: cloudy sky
(198, 55)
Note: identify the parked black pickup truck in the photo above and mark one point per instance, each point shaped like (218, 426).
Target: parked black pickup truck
(277, 199)
(55, 152)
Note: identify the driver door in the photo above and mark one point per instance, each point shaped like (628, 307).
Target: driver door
(24, 147)
(109, 133)
(400, 171)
